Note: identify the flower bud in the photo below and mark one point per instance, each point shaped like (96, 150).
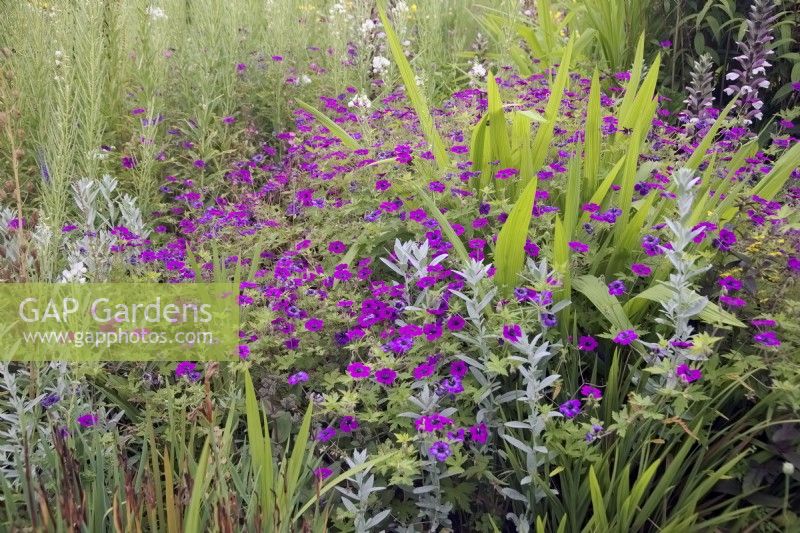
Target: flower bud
(788, 468)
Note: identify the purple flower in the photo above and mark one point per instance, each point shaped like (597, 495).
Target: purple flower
(423, 371)
(314, 324)
(665, 44)
(625, 337)
(591, 391)
(731, 301)
(616, 288)
(385, 376)
(87, 420)
(244, 351)
(358, 370)
(587, 343)
(641, 270)
(512, 332)
(594, 433)
(570, 408)
(548, 320)
(456, 323)
(187, 369)
(729, 283)
(326, 434)
(296, 378)
(337, 247)
(505, 173)
(322, 473)
(50, 400)
(439, 450)
(687, 374)
(578, 247)
(479, 433)
(725, 240)
(458, 368)
(767, 338)
(348, 424)
(451, 385)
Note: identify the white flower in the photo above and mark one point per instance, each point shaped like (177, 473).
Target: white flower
(360, 101)
(304, 79)
(74, 274)
(155, 13)
(367, 26)
(788, 468)
(477, 70)
(380, 65)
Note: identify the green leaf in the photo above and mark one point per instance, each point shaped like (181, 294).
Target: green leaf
(413, 92)
(712, 314)
(333, 127)
(597, 293)
(592, 135)
(193, 519)
(599, 518)
(509, 254)
(773, 183)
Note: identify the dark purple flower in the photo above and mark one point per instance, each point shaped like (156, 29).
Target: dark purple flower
(587, 343)
(641, 270)
(512, 332)
(323, 473)
(591, 391)
(729, 283)
(767, 338)
(87, 420)
(625, 337)
(348, 424)
(688, 374)
(616, 288)
(423, 371)
(570, 408)
(296, 378)
(326, 434)
(578, 247)
(358, 370)
(458, 368)
(479, 433)
(385, 376)
(314, 324)
(337, 247)
(456, 323)
(440, 450)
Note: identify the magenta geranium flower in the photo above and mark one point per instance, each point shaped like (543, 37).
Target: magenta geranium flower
(587, 343)
(87, 420)
(385, 376)
(314, 324)
(512, 332)
(688, 374)
(358, 370)
(456, 323)
(641, 270)
(767, 338)
(296, 378)
(479, 433)
(616, 288)
(337, 247)
(591, 391)
(625, 337)
(578, 247)
(570, 408)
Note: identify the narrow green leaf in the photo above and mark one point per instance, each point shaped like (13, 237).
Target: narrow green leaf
(413, 92)
(333, 127)
(591, 134)
(599, 518)
(509, 254)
